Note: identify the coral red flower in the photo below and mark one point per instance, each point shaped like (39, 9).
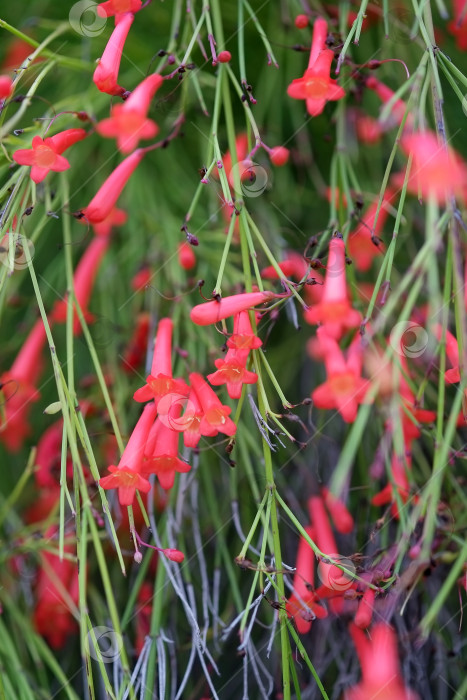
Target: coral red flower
(215, 415)
(18, 387)
(241, 152)
(294, 266)
(101, 205)
(316, 86)
(335, 581)
(232, 371)
(137, 347)
(6, 86)
(381, 679)
(340, 516)
(161, 455)
(364, 613)
(302, 605)
(45, 154)
(368, 129)
(116, 217)
(279, 155)
(385, 94)
(52, 617)
(436, 171)
(243, 339)
(48, 458)
(214, 311)
(127, 475)
(344, 388)
(399, 485)
(190, 422)
(363, 244)
(458, 26)
(128, 123)
(160, 382)
(113, 8)
(186, 256)
(106, 74)
(83, 282)
(334, 312)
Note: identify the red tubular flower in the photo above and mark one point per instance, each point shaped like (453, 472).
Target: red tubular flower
(241, 152)
(452, 376)
(364, 614)
(331, 576)
(361, 247)
(279, 155)
(128, 122)
(324, 536)
(19, 390)
(385, 94)
(214, 311)
(243, 339)
(6, 86)
(344, 388)
(334, 312)
(215, 415)
(399, 485)
(381, 679)
(296, 267)
(106, 74)
(293, 266)
(436, 171)
(186, 256)
(232, 371)
(116, 217)
(143, 615)
(302, 606)
(368, 129)
(141, 279)
(127, 475)
(340, 516)
(45, 154)
(48, 458)
(160, 382)
(190, 422)
(113, 8)
(106, 197)
(137, 347)
(458, 26)
(316, 86)
(161, 455)
(52, 617)
(83, 282)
